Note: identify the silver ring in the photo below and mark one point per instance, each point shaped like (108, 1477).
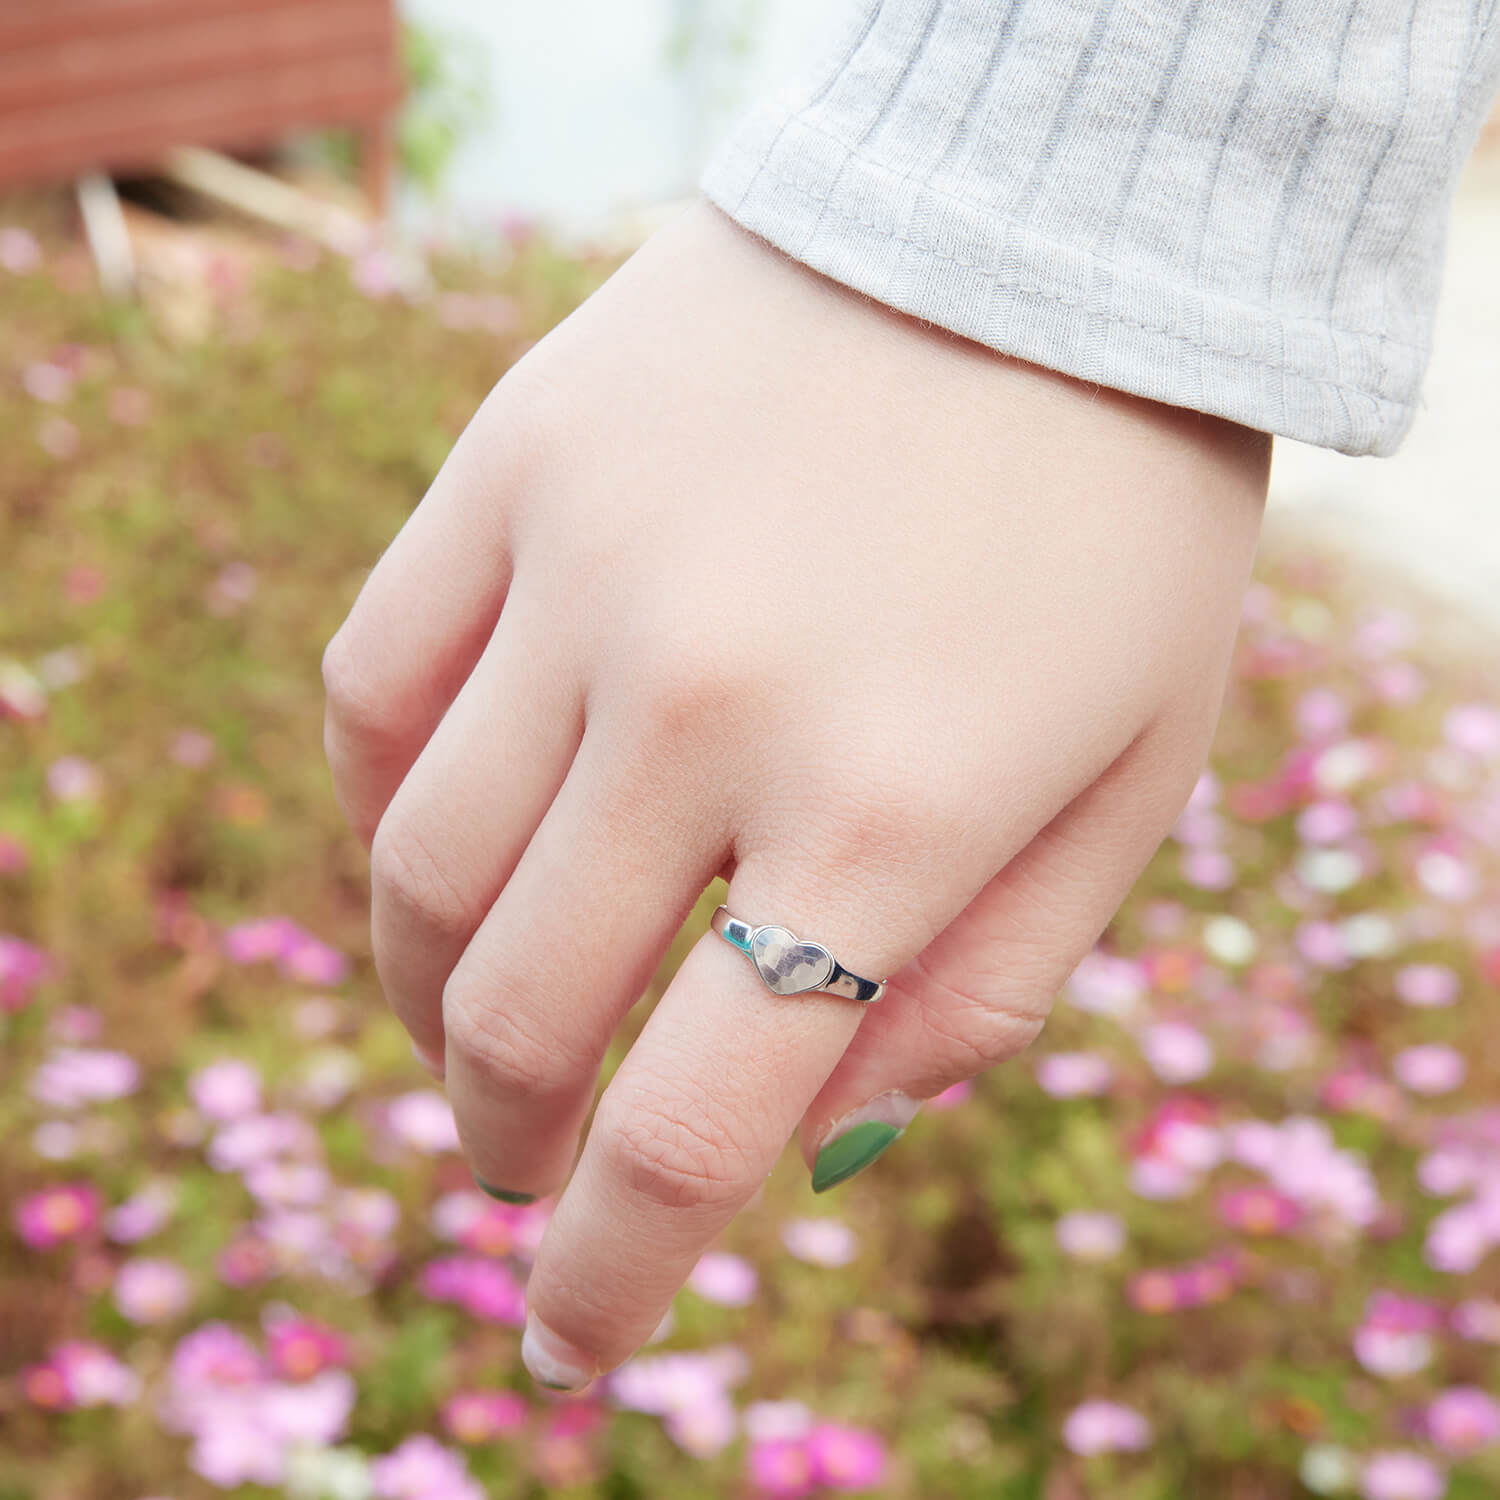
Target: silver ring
(790, 966)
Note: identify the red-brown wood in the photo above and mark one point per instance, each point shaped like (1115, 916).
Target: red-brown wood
(114, 84)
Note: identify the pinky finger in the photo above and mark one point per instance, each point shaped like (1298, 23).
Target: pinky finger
(980, 991)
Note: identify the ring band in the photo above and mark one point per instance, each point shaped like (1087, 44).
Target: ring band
(791, 966)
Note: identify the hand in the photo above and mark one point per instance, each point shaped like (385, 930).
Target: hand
(738, 572)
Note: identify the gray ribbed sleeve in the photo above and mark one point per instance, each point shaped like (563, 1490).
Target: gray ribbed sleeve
(1232, 205)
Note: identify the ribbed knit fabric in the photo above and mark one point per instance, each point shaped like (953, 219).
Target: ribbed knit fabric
(1232, 205)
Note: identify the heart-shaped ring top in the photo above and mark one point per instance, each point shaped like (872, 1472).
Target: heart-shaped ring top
(789, 967)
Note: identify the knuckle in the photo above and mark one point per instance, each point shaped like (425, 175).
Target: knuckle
(687, 692)
(353, 704)
(409, 879)
(671, 1156)
(499, 1039)
(983, 1021)
(896, 815)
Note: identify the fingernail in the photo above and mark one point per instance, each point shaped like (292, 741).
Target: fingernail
(861, 1136)
(503, 1194)
(433, 1063)
(553, 1361)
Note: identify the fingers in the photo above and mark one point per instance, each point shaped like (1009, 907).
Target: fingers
(420, 622)
(702, 1106)
(456, 828)
(570, 945)
(981, 991)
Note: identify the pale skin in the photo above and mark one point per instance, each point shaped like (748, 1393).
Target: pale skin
(738, 572)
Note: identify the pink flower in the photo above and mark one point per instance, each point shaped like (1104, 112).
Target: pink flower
(213, 1358)
(1444, 874)
(47, 382)
(483, 1416)
(1106, 985)
(376, 273)
(1258, 1210)
(73, 1077)
(257, 1138)
(1176, 1053)
(226, 1090)
(777, 1421)
(1474, 729)
(314, 962)
(368, 1213)
(246, 1261)
(675, 1382)
(1322, 945)
(298, 954)
(151, 1290)
(1402, 1475)
(422, 1469)
(781, 1468)
(1478, 1318)
(22, 693)
(704, 1428)
(22, 968)
(80, 1374)
(1326, 822)
(1322, 714)
(1159, 1180)
(1074, 1075)
(1090, 1236)
(846, 1458)
(300, 1348)
(727, 1279)
(952, 1096)
(423, 1119)
(489, 1230)
(234, 1450)
(1381, 631)
(1433, 1068)
(191, 748)
(483, 1288)
(56, 1215)
(19, 252)
(1458, 1239)
(233, 588)
(265, 937)
(1398, 682)
(1463, 1419)
(1105, 1427)
(142, 1214)
(76, 1024)
(73, 779)
(1198, 1284)
(1395, 1338)
(1300, 1159)
(1426, 984)
(1207, 869)
(820, 1242)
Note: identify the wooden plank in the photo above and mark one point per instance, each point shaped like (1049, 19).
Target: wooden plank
(25, 23)
(52, 77)
(131, 130)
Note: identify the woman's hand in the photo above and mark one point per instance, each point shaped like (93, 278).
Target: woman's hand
(739, 572)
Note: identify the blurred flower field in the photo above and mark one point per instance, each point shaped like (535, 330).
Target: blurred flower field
(1232, 1229)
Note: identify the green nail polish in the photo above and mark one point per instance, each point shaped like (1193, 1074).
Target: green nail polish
(503, 1195)
(852, 1152)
